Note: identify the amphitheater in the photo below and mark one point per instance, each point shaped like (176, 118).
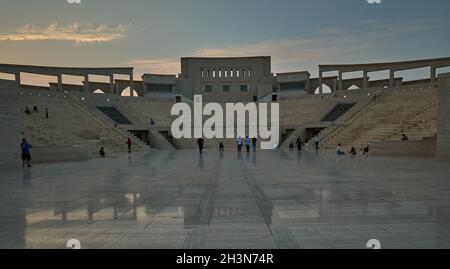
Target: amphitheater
(164, 195)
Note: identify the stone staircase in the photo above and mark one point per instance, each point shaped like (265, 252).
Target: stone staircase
(70, 125)
(106, 123)
(387, 118)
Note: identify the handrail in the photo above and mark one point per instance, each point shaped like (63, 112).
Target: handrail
(100, 122)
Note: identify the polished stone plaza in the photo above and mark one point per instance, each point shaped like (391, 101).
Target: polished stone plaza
(279, 199)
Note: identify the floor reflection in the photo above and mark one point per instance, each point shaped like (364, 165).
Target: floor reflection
(262, 199)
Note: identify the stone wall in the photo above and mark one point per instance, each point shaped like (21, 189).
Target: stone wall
(11, 125)
(425, 148)
(443, 140)
(50, 154)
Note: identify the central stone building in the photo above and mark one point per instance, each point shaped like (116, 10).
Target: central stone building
(242, 79)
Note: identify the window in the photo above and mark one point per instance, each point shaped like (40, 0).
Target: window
(249, 72)
(226, 88)
(226, 73)
(203, 73)
(220, 73)
(208, 88)
(214, 73)
(244, 88)
(231, 73)
(237, 73)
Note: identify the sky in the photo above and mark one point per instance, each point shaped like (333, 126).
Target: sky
(151, 35)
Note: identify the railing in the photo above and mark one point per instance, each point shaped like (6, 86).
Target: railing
(125, 134)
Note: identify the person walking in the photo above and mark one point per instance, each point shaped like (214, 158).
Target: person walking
(26, 154)
(46, 113)
(317, 141)
(248, 142)
(200, 143)
(299, 143)
(239, 144)
(254, 143)
(129, 143)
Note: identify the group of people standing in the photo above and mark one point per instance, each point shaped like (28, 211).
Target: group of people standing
(299, 142)
(250, 143)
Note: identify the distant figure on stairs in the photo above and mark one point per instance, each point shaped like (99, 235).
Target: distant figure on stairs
(366, 150)
(339, 151)
(35, 109)
(353, 151)
(46, 113)
(291, 145)
(27, 110)
(221, 147)
(129, 143)
(26, 154)
(102, 153)
(152, 123)
(405, 138)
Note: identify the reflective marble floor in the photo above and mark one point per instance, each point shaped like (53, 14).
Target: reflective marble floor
(276, 199)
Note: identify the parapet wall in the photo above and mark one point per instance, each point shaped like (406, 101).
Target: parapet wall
(443, 141)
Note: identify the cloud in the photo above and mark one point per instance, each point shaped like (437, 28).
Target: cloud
(328, 45)
(159, 66)
(74, 32)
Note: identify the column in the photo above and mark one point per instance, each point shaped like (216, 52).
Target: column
(365, 80)
(320, 82)
(433, 75)
(334, 89)
(111, 84)
(17, 77)
(60, 85)
(391, 78)
(86, 83)
(131, 85)
(340, 80)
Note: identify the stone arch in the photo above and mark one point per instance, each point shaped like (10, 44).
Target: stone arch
(126, 92)
(98, 91)
(353, 87)
(326, 89)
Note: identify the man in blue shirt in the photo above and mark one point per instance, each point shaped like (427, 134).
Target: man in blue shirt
(26, 154)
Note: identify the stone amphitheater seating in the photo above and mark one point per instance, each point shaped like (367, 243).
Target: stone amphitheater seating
(70, 124)
(76, 122)
(409, 111)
